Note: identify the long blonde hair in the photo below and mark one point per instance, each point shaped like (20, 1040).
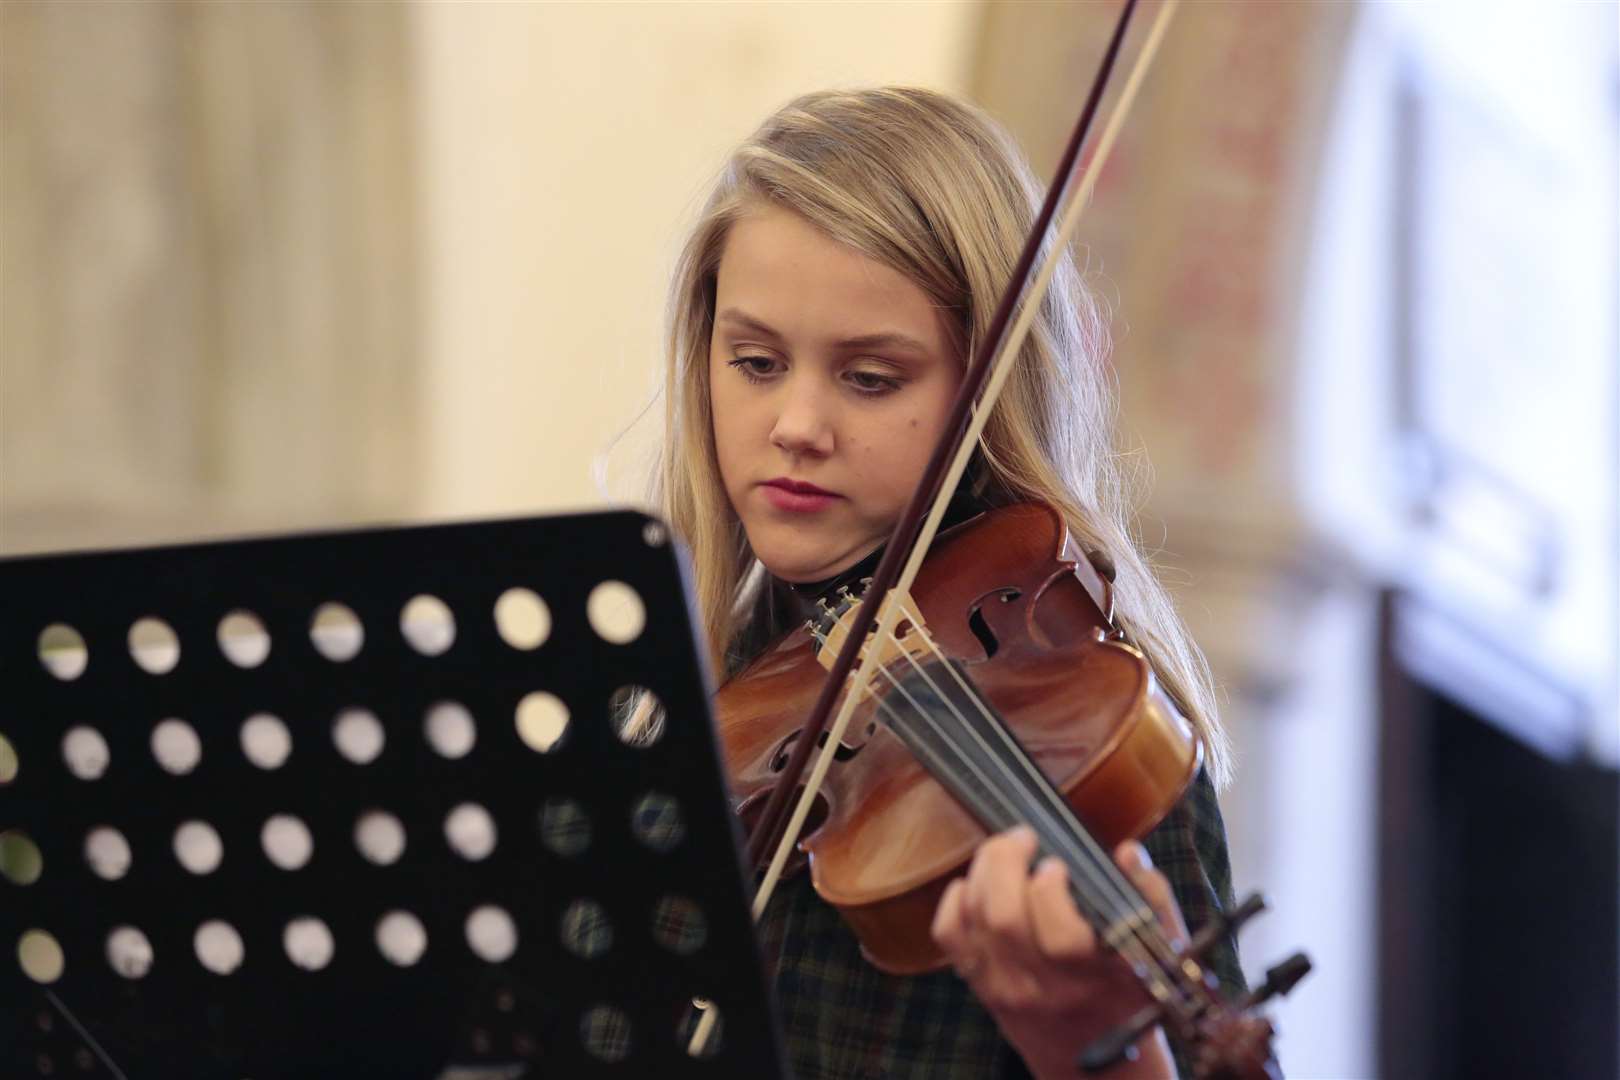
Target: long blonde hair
(936, 190)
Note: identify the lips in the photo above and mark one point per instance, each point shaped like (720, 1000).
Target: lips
(796, 496)
(798, 487)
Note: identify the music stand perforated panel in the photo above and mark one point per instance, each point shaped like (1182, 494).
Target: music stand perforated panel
(614, 864)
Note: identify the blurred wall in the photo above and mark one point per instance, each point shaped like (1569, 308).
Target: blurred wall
(270, 266)
(1197, 241)
(207, 270)
(563, 150)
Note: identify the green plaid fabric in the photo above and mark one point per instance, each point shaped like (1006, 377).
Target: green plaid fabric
(845, 1020)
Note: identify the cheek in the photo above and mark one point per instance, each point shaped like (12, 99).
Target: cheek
(910, 444)
(721, 422)
(734, 424)
(894, 457)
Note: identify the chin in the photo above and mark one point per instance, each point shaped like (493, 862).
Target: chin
(795, 561)
(793, 571)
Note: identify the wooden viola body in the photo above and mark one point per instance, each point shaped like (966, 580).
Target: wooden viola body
(1000, 596)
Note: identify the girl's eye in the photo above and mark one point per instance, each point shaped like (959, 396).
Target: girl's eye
(870, 382)
(754, 368)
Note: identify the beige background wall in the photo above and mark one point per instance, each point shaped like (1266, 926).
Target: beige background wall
(208, 299)
(563, 148)
(271, 266)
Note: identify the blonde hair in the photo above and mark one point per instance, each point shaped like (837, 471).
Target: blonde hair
(936, 190)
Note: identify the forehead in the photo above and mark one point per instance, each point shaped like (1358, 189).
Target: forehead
(782, 270)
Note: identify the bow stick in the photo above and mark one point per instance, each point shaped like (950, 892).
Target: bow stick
(976, 397)
(981, 386)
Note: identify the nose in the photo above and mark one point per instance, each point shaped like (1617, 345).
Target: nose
(805, 423)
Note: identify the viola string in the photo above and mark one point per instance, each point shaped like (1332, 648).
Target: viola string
(1150, 975)
(1034, 781)
(1085, 854)
(941, 764)
(1139, 921)
(1060, 816)
(1098, 868)
(1129, 949)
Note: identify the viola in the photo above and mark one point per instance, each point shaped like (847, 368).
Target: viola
(1001, 636)
(1006, 696)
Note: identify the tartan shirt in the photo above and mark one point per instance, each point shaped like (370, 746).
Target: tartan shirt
(842, 1019)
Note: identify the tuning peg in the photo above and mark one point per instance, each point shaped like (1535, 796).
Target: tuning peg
(1120, 1042)
(1279, 980)
(1224, 923)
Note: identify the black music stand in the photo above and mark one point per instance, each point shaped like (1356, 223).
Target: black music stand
(553, 912)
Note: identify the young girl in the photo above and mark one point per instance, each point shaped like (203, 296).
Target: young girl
(823, 310)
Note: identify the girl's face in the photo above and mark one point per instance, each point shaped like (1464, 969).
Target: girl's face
(831, 377)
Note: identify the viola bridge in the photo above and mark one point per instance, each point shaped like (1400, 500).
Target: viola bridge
(909, 640)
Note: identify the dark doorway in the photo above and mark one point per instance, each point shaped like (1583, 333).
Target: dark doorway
(1498, 893)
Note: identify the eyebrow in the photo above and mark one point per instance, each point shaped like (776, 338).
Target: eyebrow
(882, 340)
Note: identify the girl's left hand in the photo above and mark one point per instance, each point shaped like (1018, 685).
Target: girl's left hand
(1018, 940)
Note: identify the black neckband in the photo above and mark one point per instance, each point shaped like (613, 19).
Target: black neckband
(962, 507)
(809, 590)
